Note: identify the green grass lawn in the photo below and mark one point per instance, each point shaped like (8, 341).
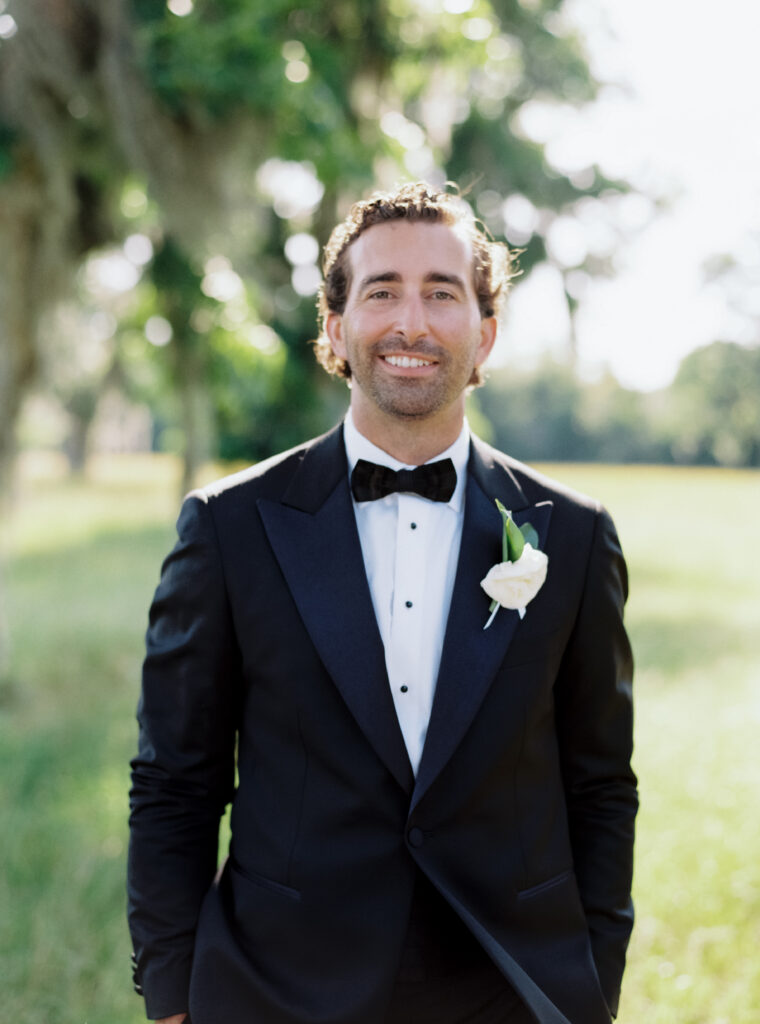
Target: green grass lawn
(83, 561)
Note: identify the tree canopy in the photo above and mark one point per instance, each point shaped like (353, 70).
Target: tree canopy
(231, 134)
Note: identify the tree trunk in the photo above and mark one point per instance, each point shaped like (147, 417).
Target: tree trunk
(82, 408)
(76, 444)
(196, 415)
(18, 324)
(572, 340)
(19, 314)
(5, 640)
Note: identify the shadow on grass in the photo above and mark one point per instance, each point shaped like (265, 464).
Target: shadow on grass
(681, 644)
(113, 557)
(63, 938)
(77, 615)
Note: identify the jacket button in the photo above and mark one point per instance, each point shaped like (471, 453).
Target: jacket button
(138, 989)
(416, 837)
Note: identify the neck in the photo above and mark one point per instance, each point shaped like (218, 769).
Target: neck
(413, 440)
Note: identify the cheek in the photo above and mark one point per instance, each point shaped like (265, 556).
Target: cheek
(366, 328)
(466, 332)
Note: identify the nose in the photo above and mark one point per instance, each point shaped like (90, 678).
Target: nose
(411, 318)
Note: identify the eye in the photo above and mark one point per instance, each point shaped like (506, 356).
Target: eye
(381, 293)
(442, 294)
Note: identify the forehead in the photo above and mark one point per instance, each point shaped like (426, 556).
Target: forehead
(412, 249)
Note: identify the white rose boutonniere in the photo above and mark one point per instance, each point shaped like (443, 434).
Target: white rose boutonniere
(515, 581)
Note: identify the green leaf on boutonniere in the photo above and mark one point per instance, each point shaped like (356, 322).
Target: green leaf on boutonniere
(506, 519)
(529, 535)
(514, 537)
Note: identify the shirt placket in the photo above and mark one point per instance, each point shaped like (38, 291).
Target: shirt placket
(410, 690)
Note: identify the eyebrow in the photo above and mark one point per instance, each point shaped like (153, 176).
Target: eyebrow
(394, 276)
(447, 279)
(388, 275)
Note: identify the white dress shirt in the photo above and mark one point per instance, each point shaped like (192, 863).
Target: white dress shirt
(410, 547)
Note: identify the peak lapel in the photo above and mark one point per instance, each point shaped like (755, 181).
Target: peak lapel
(472, 655)
(314, 537)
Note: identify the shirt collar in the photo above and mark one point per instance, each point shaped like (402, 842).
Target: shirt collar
(360, 447)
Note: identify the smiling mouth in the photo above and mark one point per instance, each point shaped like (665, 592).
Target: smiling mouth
(408, 362)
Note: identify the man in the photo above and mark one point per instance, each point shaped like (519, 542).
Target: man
(433, 821)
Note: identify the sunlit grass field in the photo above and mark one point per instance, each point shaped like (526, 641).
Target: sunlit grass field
(82, 559)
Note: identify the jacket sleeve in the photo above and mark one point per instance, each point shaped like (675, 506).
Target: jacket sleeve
(594, 712)
(183, 774)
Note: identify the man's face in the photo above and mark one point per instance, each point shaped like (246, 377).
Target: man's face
(411, 330)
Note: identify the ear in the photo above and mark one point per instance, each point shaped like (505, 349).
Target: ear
(488, 330)
(334, 331)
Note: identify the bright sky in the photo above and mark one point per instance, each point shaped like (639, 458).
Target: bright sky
(690, 130)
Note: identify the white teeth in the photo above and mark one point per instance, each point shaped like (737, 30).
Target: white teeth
(406, 361)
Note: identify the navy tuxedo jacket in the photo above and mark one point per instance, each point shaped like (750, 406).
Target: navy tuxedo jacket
(263, 653)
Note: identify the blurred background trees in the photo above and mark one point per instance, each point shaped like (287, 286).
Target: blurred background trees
(169, 172)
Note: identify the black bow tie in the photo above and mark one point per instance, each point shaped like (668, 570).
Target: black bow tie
(435, 480)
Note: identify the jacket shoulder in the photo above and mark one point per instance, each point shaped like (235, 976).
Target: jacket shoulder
(269, 478)
(535, 485)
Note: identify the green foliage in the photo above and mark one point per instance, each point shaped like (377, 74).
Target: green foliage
(709, 415)
(229, 60)
(83, 565)
(714, 414)
(266, 391)
(387, 89)
(550, 414)
(535, 416)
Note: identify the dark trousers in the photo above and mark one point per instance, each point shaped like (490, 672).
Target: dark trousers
(445, 976)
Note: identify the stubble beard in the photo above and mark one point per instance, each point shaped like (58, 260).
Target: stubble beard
(409, 398)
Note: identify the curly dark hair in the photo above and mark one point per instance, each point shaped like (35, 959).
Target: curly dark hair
(493, 265)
